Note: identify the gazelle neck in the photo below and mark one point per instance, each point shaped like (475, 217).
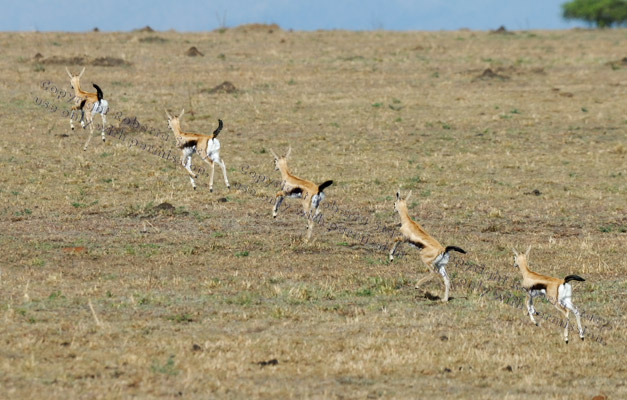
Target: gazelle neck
(403, 212)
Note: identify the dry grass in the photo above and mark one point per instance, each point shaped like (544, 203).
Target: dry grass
(106, 295)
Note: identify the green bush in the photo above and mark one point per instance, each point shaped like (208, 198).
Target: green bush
(603, 13)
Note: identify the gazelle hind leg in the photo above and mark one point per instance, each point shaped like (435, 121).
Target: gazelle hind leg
(397, 241)
(104, 121)
(226, 180)
(572, 308)
(71, 117)
(213, 170)
(447, 282)
(309, 229)
(91, 131)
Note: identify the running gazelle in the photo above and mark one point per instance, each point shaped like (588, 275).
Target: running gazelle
(432, 253)
(206, 146)
(310, 193)
(557, 291)
(94, 103)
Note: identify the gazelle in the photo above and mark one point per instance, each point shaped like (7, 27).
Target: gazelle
(310, 193)
(207, 147)
(432, 253)
(93, 102)
(557, 291)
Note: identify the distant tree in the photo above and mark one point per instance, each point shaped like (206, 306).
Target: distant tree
(603, 13)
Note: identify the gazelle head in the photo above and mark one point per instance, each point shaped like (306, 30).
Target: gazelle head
(75, 79)
(174, 121)
(401, 203)
(278, 161)
(520, 260)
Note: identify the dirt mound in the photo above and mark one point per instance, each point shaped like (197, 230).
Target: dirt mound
(269, 28)
(166, 207)
(81, 60)
(488, 75)
(618, 63)
(224, 87)
(501, 31)
(146, 28)
(193, 52)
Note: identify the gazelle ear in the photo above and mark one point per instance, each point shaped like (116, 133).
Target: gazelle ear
(515, 252)
(398, 194)
(289, 150)
(69, 73)
(181, 114)
(527, 252)
(408, 196)
(167, 114)
(274, 154)
(81, 74)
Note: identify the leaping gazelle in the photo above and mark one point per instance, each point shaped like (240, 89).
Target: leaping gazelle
(557, 291)
(310, 193)
(92, 102)
(207, 147)
(432, 253)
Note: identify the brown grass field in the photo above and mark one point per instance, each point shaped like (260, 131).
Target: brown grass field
(117, 280)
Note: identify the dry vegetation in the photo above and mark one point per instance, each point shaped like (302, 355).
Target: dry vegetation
(118, 280)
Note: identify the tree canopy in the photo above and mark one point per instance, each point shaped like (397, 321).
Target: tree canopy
(603, 13)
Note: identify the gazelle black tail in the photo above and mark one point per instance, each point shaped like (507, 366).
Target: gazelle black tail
(454, 248)
(573, 278)
(324, 185)
(98, 91)
(218, 129)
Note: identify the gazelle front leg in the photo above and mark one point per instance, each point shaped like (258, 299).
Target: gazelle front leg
(398, 240)
(279, 199)
(186, 162)
(71, 117)
(530, 309)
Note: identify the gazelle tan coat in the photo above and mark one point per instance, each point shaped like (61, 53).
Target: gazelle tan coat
(432, 253)
(94, 103)
(310, 193)
(206, 146)
(557, 291)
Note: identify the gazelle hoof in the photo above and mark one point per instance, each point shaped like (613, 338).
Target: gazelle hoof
(72, 128)
(194, 187)
(566, 340)
(210, 190)
(228, 186)
(582, 339)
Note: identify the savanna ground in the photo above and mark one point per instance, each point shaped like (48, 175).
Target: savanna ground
(196, 294)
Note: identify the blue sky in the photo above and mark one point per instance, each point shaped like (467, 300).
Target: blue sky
(206, 15)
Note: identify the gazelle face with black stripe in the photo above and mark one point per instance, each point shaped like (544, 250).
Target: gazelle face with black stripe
(399, 200)
(280, 160)
(520, 260)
